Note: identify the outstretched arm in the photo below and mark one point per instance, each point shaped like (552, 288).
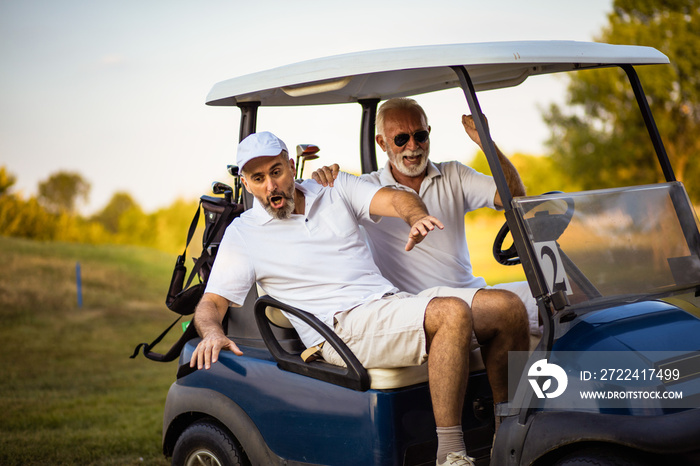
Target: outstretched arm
(390, 202)
(515, 184)
(209, 314)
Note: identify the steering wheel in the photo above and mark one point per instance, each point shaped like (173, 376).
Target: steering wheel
(553, 224)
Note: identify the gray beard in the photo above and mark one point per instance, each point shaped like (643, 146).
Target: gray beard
(413, 171)
(283, 213)
(286, 210)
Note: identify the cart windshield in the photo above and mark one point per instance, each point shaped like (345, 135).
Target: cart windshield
(621, 244)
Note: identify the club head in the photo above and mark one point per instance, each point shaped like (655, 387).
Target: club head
(233, 170)
(304, 150)
(309, 157)
(217, 187)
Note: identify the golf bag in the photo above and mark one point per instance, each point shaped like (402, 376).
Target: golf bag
(183, 297)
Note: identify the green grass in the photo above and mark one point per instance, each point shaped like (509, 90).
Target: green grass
(69, 394)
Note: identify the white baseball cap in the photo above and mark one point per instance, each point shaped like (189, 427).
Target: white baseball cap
(263, 144)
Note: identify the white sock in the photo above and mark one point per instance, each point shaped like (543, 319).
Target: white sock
(450, 440)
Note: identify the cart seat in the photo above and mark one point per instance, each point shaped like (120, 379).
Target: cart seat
(384, 379)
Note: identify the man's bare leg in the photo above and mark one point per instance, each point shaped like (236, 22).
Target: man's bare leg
(448, 328)
(500, 325)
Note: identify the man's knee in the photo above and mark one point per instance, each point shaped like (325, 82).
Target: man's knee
(450, 304)
(451, 311)
(504, 304)
(512, 300)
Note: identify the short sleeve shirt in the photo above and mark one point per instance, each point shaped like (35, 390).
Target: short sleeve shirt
(449, 190)
(318, 262)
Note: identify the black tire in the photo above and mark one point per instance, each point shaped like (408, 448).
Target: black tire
(204, 443)
(601, 456)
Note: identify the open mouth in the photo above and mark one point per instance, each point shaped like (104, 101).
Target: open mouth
(277, 201)
(412, 159)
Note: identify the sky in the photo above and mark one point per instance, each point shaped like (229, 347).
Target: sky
(115, 90)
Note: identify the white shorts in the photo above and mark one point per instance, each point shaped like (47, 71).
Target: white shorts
(522, 289)
(388, 332)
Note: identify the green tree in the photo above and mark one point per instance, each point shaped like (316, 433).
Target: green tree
(61, 191)
(137, 227)
(7, 180)
(23, 218)
(609, 145)
(539, 173)
(115, 209)
(171, 224)
(26, 219)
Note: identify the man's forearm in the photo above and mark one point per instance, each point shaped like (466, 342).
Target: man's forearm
(409, 207)
(390, 202)
(513, 180)
(208, 318)
(515, 183)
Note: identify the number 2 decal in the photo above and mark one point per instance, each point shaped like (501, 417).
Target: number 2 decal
(552, 266)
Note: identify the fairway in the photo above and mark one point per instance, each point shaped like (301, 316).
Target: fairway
(69, 393)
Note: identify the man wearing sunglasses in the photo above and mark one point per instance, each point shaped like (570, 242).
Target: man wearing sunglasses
(449, 190)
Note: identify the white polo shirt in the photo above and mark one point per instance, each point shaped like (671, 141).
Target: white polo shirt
(317, 262)
(433, 262)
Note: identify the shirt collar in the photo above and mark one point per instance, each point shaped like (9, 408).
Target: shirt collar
(387, 179)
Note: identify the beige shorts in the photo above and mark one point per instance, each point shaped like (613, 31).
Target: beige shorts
(522, 289)
(388, 332)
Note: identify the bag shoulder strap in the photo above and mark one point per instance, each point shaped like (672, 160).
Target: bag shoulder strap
(174, 352)
(225, 218)
(191, 230)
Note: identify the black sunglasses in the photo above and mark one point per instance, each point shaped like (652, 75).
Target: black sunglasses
(419, 136)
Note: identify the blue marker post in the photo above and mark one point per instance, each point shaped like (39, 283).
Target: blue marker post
(79, 284)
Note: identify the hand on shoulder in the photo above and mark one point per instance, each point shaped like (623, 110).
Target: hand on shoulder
(326, 175)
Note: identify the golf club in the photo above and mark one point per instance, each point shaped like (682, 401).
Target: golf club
(305, 152)
(218, 187)
(233, 170)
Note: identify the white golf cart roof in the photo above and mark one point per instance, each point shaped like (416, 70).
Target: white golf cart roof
(383, 74)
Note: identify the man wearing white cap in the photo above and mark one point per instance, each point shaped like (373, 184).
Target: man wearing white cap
(301, 243)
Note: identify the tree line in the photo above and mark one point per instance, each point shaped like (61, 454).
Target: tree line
(52, 215)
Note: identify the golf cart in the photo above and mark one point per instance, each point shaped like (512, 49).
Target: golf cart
(613, 271)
